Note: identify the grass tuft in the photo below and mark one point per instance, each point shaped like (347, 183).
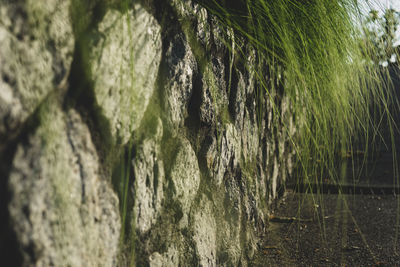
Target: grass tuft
(314, 53)
(319, 56)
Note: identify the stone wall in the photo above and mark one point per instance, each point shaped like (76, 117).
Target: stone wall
(131, 134)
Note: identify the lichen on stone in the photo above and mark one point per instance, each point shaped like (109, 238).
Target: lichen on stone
(62, 209)
(36, 44)
(122, 85)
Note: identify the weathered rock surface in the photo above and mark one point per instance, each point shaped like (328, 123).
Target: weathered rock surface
(197, 151)
(180, 67)
(204, 233)
(36, 45)
(124, 62)
(150, 178)
(64, 213)
(170, 258)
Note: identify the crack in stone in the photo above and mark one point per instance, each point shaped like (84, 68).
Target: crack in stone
(79, 162)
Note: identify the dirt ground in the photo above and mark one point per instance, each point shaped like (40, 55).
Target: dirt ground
(355, 228)
(332, 230)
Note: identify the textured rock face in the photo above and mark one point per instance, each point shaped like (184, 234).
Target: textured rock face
(122, 85)
(185, 176)
(204, 233)
(36, 45)
(131, 135)
(180, 67)
(150, 177)
(69, 213)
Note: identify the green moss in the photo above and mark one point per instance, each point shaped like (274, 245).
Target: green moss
(306, 51)
(202, 53)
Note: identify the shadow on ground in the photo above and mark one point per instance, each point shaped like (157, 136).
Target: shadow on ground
(341, 230)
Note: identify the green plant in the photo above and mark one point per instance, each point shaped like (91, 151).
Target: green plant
(312, 53)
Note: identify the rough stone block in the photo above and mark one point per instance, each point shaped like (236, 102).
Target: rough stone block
(63, 212)
(124, 65)
(36, 46)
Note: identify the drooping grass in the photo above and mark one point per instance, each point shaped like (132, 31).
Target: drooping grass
(315, 53)
(327, 73)
(311, 52)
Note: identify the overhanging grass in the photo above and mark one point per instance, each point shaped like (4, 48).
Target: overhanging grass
(315, 52)
(326, 73)
(312, 51)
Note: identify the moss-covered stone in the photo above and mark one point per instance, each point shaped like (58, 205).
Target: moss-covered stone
(169, 258)
(203, 153)
(180, 69)
(205, 233)
(36, 46)
(63, 212)
(185, 177)
(149, 174)
(124, 60)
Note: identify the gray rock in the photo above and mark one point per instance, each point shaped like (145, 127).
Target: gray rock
(180, 68)
(36, 44)
(243, 99)
(200, 189)
(167, 259)
(63, 212)
(224, 152)
(239, 100)
(250, 137)
(185, 177)
(203, 30)
(124, 66)
(230, 228)
(204, 233)
(207, 28)
(214, 98)
(149, 175)
(187, 9)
